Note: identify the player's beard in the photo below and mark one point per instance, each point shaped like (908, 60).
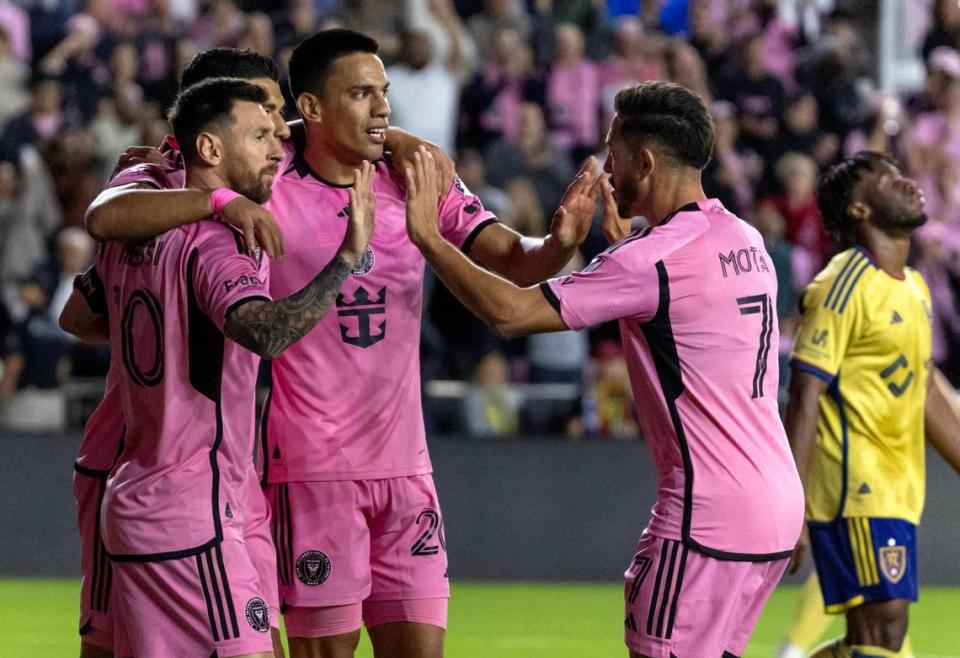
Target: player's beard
(627, 193)
(250, 184)
(898, 222)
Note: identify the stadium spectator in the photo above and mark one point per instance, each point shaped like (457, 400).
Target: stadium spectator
(423, 73)
(40, 123)
(532, 156)
(496, 16)
(491, 406)
(797, 176)
(734, 171)
(572, 95)
(945, 27)
(636, 57)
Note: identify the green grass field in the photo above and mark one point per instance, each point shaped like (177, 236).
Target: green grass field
(487, 620)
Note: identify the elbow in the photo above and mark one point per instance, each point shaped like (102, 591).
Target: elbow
(95, 220)
(507, 324)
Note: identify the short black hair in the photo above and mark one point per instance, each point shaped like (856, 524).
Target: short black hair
(228, 63)
(835, 191)
(669, 114)
(199, 107)
(313, 58)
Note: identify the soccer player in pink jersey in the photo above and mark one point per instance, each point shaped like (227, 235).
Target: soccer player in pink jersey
(104, 430)
(175, 505)
(358, 525)
(694, 294)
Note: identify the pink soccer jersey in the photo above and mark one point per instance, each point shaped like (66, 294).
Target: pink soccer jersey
(695, 297)
(345, 403)
(188, 394)
(102, 433)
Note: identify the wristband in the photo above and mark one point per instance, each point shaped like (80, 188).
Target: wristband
(219, 199)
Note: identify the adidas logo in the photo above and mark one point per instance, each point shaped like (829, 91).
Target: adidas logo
(896, 318)
(864, 488)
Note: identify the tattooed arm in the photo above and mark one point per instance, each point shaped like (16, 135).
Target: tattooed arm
(268, 328)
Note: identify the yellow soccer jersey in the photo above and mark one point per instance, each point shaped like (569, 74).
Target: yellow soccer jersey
(868, 335)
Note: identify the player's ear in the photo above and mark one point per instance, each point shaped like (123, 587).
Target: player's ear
(645, 162)
(859, 211)
(309, 106)
(210, 149)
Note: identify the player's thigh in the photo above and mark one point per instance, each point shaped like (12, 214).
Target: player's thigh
(408, 553)
(96, 622)
(259, 542)
(323, 544)
(209, 602)
(407, 640)
(680, 602)
(332, 646)
(879, 623)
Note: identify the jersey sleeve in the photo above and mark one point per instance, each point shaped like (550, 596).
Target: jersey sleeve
(462, 215)
(151, 175)
(829, 322)
(91, 288)
(618, 283)
(223, 275)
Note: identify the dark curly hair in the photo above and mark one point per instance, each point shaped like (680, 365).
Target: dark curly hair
(835, 191)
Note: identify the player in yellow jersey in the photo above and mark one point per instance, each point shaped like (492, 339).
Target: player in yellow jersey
(863, 394)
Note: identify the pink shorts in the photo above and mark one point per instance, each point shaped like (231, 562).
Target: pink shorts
(209, 603)
(370, 548)
(96, 618)
(258, 539)
(682, 603)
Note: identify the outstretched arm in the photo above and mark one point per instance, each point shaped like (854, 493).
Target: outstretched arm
(135, 212)
(508, 309)
(943, 419)
(526, 260)
(268, 328)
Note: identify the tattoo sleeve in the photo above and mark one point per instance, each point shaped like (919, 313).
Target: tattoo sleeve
(268, 328)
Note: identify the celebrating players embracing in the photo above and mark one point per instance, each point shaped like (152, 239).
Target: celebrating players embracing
(173, 518)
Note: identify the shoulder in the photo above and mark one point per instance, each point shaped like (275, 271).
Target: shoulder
(842, 281)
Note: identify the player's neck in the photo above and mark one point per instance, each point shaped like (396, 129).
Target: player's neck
(889, 251)
(670, 196)
(326, 166)
(203, 178)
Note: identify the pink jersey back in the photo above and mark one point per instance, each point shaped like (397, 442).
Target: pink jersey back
(104, 429)
(188, 394)
(345, 403)
(695, 297)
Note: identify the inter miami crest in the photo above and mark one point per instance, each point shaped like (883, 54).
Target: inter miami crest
(313, 568)
(258, 615)
(365, 264)
(893, 563)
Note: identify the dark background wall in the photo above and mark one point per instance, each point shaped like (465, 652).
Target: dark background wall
(514, 510)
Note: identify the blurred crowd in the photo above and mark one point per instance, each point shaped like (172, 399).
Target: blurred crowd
(520, 92)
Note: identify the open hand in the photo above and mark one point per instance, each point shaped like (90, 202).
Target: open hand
(571, 222)
(422, 185)
(404, 148)
(614, 227)
(258, 225)
(363, 205)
